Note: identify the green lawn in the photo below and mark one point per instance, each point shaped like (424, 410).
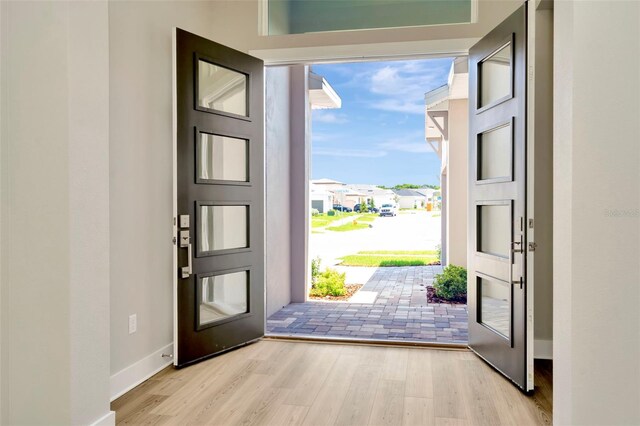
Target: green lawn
(401, 252)
(383, 258)
(348, 227)
(367, 217)
(322, 220)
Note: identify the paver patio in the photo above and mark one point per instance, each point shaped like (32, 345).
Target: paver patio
(399, 312)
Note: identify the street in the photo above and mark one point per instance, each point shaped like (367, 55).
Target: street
(409, 230)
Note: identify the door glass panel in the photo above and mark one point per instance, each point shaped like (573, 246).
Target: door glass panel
(222, 158)
(495, 76)
(223, 228)
(494, 235)
(223, 296)
(495, 309)
(221, 89)
(494, 153)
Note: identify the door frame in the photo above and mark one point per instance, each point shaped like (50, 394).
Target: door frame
(427, 49)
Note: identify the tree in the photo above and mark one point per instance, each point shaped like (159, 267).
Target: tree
(363, 206)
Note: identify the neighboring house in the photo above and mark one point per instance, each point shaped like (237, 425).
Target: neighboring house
(379, 195)
(410, 198)
(328, 184)
(446, 132)
(321, 199)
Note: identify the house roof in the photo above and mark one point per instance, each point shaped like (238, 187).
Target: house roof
(407, 193)
(427, 192)
(325, 181)
(321, 94)
(369, 189)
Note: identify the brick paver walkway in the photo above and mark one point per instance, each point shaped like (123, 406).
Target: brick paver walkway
(400, 312)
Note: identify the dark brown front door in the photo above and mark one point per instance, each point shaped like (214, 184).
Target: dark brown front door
(497, 199)
(219, 198)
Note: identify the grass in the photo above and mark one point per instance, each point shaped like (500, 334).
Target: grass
(348, 227)
(401, 252)
(367, 217)
(384, 258)
(322, 220)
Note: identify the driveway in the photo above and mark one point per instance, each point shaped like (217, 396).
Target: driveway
(410, 230)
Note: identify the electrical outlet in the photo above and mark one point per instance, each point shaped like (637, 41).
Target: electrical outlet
(133, 323)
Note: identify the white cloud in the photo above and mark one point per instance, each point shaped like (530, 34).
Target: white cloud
(321, 116)
(398, 105)
(412, 143)
(412, 147)
(403, 80)
(322, 137)
(345, 152)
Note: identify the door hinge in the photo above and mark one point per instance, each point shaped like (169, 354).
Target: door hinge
(530, 223)
(174, 240)
(532, 246)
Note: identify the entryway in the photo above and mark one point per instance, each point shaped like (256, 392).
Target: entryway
(497, 240)
(399, 312)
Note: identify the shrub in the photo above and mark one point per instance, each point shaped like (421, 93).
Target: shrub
(452, 283)
(315, 270)
(439, 252)
(329, 283)
(331, 213)
(315, 212)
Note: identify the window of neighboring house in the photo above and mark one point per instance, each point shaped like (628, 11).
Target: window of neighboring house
(306, 16)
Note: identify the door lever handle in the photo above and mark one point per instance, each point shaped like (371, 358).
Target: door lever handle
(186, 270)
(518, 249)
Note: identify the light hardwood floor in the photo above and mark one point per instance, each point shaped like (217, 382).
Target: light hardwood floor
(293, 383)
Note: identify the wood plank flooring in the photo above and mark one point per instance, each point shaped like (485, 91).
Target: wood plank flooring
(294, 383)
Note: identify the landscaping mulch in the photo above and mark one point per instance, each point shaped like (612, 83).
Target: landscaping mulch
(351, 290)
(432, 298)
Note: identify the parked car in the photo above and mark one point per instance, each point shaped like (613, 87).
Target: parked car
(388, 210)
(341, 208)
(356, 208)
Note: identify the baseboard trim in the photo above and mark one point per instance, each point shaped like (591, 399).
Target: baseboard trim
(543, 349)
(130, 377)
(108, 419)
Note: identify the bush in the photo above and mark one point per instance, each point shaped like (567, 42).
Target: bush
(439, 252)
(315, 270)
(329, 283)
(315, 212)
(452, 283)
(331, 213)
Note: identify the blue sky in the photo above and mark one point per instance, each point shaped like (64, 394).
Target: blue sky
(377, 136)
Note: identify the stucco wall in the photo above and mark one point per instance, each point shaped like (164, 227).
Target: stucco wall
(278, 212)
(596, 322)
(457, 183)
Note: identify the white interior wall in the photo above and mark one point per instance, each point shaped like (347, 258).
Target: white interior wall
(596, 322)
(55, 226)
(140, 175)
(457, 183)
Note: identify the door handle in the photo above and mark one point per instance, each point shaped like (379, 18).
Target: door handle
(516, 269)
(185, 241)
(186, 270)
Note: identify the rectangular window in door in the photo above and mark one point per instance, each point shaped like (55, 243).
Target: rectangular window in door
(221, 228)
(222, 297)
(494, 305)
